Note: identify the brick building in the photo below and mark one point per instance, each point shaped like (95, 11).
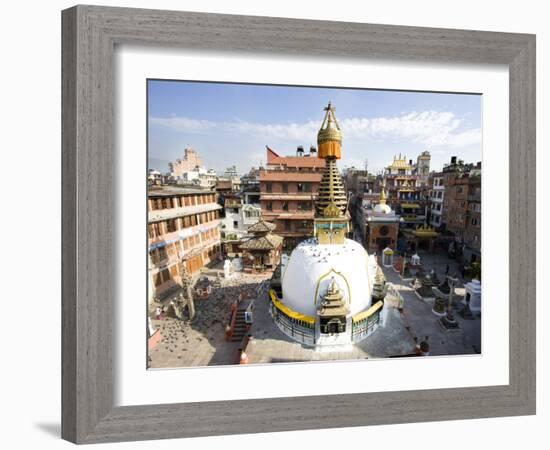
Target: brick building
(358, 181)
(472, 234)
(188, 163)
(455, 203)
(288, 188)
(183, 228)
(381, 226)
(461, 214)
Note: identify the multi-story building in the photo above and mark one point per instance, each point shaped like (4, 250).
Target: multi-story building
(154, 178)
(455, 203)
(407, 191)
(359, 181)
(230, 181)
(189, 162)
(190, 172)
(183, 229)
(288, 188)
(461, 214)
(238, 217)
(437, 194)
(472, 234)
(250, 187)
(422, 167)
(199, 177)
(455, 181)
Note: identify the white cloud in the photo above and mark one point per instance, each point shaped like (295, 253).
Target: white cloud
(428, 128)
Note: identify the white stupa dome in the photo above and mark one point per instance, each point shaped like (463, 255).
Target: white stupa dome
(311, 267)
(382, 208)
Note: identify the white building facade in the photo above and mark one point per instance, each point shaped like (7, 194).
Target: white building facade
(437, 194)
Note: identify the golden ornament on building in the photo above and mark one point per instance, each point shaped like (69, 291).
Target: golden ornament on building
(331, 210)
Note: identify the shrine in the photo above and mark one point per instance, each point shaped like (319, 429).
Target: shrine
(330, 292)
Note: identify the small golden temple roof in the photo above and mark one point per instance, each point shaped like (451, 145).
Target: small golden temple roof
(333, 303)
(400, 163)
(425, 231)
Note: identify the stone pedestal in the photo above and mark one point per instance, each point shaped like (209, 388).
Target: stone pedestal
(448, 322)
(439, 307)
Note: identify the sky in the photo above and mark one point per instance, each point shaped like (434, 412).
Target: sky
(231, 124)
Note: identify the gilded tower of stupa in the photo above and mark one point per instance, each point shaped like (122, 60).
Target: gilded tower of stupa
(332, 220)
(327, 284)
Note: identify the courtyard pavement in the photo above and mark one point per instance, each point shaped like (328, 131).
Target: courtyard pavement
(201, 342)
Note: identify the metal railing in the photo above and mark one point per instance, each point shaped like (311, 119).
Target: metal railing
(360, 330)
(300, 333)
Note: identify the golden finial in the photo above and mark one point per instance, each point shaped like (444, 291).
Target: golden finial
(382, 192)
(330, 129)
(382, 197)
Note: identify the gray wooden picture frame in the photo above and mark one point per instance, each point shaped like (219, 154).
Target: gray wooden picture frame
(90, 34)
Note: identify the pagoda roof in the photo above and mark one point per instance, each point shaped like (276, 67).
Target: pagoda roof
(267, 242)
(261, 227)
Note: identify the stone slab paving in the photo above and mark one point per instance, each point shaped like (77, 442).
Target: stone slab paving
(202, 343)
(418, 316)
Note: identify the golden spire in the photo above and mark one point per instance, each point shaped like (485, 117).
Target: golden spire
(332, 221)
(332, 200)
(383, 193)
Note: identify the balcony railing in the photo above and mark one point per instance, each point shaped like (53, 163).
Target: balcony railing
(168, 260)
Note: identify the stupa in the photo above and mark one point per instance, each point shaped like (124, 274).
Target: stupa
(328, 283)
(427, 282)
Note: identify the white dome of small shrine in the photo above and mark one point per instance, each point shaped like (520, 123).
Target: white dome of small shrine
(382, 208)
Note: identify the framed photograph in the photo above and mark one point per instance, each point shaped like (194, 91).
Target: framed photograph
(317, 232)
